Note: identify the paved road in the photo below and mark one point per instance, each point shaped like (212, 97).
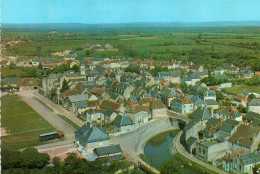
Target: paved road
(57, 122)
(179, 148)
(58, 109)
(173, 114)
(127, 142)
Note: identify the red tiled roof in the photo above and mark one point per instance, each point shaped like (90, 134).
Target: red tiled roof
(110, 105)
(97, 90)
(27, 82)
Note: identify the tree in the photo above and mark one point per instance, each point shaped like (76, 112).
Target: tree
(219, 95)
(185, 88)
(56, 163)
(251, 97)
(65, 86)
(87, 53)
(72, 160)
(53, 92)
(75, 68)
(241, 108)
(12, 65)
(170, 166)
(31, 158)
(10, 159)
(40, 66)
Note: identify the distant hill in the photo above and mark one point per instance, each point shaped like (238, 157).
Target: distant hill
(140, 24)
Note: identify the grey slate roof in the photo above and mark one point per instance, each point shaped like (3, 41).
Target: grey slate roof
(250, 158)
(191, 141)
(252, 116)
(90, 134)
(10, 81)
(196, 100)
(108, 150)
(228, 126)
(81, 104)
(212, 102)
(77, 98)
(201, 113)
(122, 121)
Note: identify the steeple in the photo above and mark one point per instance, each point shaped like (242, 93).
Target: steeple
(82, 67)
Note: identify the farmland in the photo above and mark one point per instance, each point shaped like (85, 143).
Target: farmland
(206, 45)
(22, 123)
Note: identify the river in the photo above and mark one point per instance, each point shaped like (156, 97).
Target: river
(156, 150)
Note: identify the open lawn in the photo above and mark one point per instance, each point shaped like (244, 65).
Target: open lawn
(7, 72)
(240, 88)
(22, 123)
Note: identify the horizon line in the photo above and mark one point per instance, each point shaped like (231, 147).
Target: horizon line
(133, 22)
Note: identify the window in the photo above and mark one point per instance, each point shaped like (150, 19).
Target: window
(204, 152)
(199, 149)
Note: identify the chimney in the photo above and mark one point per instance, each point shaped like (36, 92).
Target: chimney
(233, 108)
(221, 121)
(245, 122)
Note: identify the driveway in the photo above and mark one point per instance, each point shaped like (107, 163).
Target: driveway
(50, 116)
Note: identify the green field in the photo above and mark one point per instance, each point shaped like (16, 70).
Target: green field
(208, 45)
(23, 123)
(237, 89)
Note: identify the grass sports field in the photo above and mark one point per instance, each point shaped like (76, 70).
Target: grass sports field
(22, 124)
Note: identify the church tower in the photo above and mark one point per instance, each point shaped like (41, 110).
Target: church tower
(82, 68)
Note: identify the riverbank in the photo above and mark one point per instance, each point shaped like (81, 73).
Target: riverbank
(189, 159)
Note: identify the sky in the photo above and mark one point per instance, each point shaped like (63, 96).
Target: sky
(127, 11)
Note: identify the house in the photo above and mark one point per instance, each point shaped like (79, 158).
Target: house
(212, 104)
(27, 83)
(100, 92)
(252, 118)
(94, 115)
(71, 101)
(89, 137)
(200, 114)
(211, 149)
(225, 85)
(211, 127)
(240, 99)
(112, 106)
(246, 138)
(229, 112)
(82, 106)
(245, 163)
(254, 106)
(218, 70)
(182, 105)
(226, 129)
(168, 96)
(157, 108)
(197, 101)
(123, 124)
(12, 81)
(195, 68)
(139, 114)
(110, 115)
(112, 152)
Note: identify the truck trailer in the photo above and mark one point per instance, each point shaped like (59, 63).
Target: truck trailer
(50, 135)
